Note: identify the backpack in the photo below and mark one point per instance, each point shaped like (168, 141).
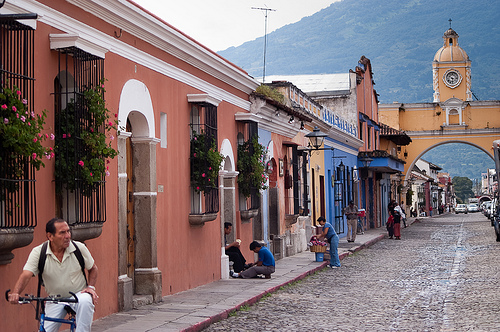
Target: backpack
(41, 266)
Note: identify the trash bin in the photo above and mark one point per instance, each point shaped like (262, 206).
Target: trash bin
(320, 256)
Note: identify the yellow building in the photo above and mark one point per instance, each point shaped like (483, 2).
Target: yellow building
(453, 116)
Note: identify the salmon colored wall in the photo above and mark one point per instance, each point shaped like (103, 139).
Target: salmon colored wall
(187, 256)
(104, 249)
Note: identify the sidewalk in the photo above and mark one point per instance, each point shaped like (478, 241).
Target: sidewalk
(197, 308)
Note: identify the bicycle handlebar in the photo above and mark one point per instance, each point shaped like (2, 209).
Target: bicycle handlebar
(55, 299)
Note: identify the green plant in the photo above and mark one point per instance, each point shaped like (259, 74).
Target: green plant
(20, 136)
(251, 166)
(270, 93)
(205, 162)
(82, 148)
(409, 197)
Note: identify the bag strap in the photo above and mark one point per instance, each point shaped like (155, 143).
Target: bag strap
(41, 266)
(79, 256)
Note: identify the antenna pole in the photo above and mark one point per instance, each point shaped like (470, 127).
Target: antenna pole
(266, 11)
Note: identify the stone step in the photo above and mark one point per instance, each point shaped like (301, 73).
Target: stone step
(141, 300)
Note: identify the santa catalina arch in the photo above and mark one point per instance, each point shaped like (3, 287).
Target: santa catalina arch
(453, 116)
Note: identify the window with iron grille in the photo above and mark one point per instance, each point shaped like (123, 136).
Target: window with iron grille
(302, 184)
(247, 148)
(204, 122)
(17, 207)
(77, 201)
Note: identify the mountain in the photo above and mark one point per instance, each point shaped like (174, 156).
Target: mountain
(460, 159)
(399, 37)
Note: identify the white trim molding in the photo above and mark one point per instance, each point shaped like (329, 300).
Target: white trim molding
(64, 40)
(203, 98)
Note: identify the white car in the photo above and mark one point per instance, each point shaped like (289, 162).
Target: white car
(461, 208)
(473, 207)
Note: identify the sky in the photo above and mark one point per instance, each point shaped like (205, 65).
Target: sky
(220, 24)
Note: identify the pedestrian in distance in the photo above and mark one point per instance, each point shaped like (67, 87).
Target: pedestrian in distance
(265, 264)
(396, 224)
(401, 212)
(62, 274)
(328, 233)
(390, 225)
(351, 212)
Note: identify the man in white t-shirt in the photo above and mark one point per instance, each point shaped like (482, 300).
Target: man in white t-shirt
(62, 274)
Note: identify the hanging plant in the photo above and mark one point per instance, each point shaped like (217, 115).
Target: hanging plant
(84, 156)
(205, 162)
(251, 167)
(20, 136)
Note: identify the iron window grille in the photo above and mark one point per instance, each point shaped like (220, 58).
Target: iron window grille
(77, 201)
(17, 207)
(204, 119)
(253, 131)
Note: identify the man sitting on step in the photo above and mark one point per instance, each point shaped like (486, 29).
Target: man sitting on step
(265, 264)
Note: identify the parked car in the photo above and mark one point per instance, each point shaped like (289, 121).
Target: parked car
(461, 208)
(473, 207)
(492, 211)
(486, 209)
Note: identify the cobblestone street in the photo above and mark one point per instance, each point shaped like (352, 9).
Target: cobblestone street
(442, 276)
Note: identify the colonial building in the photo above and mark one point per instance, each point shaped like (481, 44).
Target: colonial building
(152, 220)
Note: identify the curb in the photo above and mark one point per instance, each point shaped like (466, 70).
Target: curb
(225, 314)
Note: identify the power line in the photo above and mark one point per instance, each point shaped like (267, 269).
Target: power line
(266, 11)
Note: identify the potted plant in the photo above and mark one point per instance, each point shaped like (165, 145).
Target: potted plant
(82, 148)
(205, 162)
(21, 137)
(21, 152)
(252, 175)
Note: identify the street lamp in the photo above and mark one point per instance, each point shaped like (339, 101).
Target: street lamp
(342, 167)
(316, 138)
(366, 161)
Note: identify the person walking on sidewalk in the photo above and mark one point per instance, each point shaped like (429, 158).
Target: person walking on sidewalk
(351, 212)
(329, 234)
(265, 264)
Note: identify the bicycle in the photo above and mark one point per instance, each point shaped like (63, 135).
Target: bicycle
(71, 321)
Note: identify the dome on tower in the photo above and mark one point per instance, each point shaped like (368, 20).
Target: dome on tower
(450, 50)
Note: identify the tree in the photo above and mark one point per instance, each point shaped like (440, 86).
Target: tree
(463, 188)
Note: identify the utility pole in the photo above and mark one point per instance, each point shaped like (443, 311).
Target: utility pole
(266, 11)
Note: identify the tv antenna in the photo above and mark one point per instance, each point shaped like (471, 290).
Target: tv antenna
(266, 12)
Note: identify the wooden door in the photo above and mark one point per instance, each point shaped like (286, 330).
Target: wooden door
(130, 213)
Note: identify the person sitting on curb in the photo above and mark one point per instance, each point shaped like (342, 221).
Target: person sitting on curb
(265, 264)
(233, 250)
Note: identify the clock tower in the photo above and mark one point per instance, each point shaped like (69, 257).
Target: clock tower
(451, 71)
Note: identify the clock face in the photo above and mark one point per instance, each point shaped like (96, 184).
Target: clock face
(452, 78)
